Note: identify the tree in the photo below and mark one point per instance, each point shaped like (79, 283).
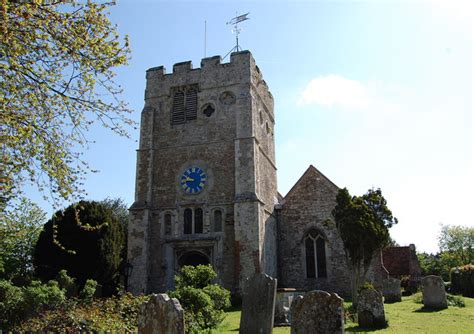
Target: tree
(86, 239)
(56, 67)
(432, 264)
(363, 224)
(204, 303)
(19, 231)
(456, 244)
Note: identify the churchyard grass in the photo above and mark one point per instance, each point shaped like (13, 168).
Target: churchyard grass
(403, 317)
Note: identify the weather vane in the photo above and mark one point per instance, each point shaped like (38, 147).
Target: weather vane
(236, 30)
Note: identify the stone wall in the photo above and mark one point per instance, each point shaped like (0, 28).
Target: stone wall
(308, 206)
(234, 146)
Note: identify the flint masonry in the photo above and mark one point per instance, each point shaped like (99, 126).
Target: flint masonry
(206, 187)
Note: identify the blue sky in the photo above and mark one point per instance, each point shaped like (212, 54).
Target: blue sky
(373, 94)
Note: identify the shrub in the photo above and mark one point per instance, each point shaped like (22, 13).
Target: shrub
(11, 297)
(462, 280)
(17, 304)
(111, 315)
(203, 303)
(418, 298)
(198, 277)
(88, 291)
(67, 283)
(455, 301)
(37, 296)
(86, 239)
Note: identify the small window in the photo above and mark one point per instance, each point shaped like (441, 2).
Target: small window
(198, 224)
(217, 221)
(184, 105)
(193, 221)
(315, 255)
(188, 221)
(208, 110)
(167, 224)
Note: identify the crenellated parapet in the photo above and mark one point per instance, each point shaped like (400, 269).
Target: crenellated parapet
(241, 69)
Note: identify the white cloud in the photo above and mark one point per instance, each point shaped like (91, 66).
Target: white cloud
(334, 90)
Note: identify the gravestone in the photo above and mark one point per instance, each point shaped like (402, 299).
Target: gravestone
(392, 290)
(434, 293)
(258, 304)
(317, 312)
(284, 299)
(161, 315)
(370, 309)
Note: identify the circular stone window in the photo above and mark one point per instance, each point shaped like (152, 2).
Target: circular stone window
(208, 109)
(227, 98)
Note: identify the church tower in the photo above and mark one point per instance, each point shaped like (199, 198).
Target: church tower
(206, 175)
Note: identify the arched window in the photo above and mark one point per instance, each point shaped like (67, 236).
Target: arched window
(198, 224)
(167, 224)
(193, 221)
(218, 221)
(188, 221)
(315, 255)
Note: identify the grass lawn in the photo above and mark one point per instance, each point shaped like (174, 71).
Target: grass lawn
(403, 317)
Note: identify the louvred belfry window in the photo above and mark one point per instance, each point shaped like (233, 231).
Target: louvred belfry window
(184, 104)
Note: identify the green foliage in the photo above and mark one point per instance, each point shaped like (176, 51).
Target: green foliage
(462, 280)
(220, 296)
(11, 297)
(198, 277)
(456, 249)
(418, 298)
(452, 300)
(365, 286)
(118, 314)
(67, 283)
(37, 296)
(363, 224)
(456, 243)
(204, 303)
(86, 239)
(57, 61)
(18, 303)
(88, 291)
(19, 231)
(432, 264)
(456, 301)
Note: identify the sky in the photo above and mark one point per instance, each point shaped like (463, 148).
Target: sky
(374, 94)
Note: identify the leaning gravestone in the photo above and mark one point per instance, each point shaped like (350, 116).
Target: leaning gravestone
(392, 290)
(161, 315)
(317, 312)
(434, 293)
(370, 309)
(258, 304)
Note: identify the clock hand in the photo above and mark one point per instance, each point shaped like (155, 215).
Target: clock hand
(189, 179)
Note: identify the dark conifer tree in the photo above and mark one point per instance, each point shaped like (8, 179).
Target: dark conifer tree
(86, 239)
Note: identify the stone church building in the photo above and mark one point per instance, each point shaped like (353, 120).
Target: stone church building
(206, 187)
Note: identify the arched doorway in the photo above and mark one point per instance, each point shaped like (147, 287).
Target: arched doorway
(193, 258)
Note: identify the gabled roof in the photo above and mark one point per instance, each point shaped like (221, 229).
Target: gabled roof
(312, 174)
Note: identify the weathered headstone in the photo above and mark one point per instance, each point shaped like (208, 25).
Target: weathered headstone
(434, 293)
(317, 312)
(284, 299)
(370, 309)
(258, 304)
(161, 315)
(392, 290)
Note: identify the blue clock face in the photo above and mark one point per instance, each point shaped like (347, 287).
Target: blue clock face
(193, 180)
